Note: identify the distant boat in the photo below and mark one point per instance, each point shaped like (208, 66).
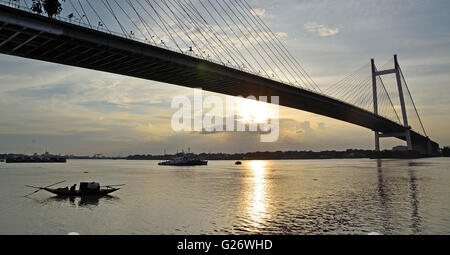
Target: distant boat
(184, 160)
(238, 163)
(86, 189)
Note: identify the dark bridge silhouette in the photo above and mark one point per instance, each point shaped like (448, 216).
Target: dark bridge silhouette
(33, 36)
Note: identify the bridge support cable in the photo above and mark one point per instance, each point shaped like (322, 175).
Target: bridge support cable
(166, 24)
(249, 36)
(210, 48)
(366, 100)
(26, 4)
(230, 51)
(274, 45)
(242, 44)
(389, 104)
(84, 14)
(353, 89)
(383, 106)
(282, 46)
(360, 92)
(175, 20)
(101, 22)
(273, 56)
(150, 32)
(108, 7)
(195, 49)
(132, 22)
(227, 39)
(163, 29)
(357, 89)
(270, 44)
(207, 49)
(385, 81)
(246, 38)
(76, 10)
(341, 87)
(412, 101)
(200, 23)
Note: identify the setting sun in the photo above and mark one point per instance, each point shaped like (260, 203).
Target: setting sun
(252, 111)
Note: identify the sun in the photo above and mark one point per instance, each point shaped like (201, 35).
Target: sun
(252, 111)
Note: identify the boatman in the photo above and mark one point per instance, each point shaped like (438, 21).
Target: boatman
(72, 189)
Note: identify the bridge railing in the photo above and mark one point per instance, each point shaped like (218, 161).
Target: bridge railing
(18, 5)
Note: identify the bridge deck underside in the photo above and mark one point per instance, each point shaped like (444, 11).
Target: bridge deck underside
(36, 37)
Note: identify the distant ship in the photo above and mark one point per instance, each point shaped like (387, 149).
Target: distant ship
(35, 160)
(45, 158)
(184, 160)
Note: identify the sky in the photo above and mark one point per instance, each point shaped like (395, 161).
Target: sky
(67, 110)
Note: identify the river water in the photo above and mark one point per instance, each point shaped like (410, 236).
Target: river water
(357, 196)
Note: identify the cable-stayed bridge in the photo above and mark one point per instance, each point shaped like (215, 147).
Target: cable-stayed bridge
(219, 46)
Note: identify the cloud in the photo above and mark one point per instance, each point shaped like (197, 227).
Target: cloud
(42, 92)
(260, 12)
(282, 34)
(305, 126)
(104, 106)
(321, 30)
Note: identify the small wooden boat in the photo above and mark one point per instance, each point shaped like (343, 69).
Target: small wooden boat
(86, 189)
(238, 163)
(65, 192)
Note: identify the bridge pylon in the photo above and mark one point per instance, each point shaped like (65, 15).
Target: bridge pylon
(407, 129)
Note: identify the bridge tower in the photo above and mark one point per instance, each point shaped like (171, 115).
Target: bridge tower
(396, 70)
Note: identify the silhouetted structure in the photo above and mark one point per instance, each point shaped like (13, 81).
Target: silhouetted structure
(446, 151)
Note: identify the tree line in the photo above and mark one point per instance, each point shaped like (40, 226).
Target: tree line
(50, 7)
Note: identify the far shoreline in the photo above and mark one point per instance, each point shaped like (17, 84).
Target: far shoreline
(267, 155)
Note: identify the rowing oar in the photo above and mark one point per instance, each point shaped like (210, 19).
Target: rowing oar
(113, 185)
(41, 188)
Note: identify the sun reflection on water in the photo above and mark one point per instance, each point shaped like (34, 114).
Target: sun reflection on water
(257, 199)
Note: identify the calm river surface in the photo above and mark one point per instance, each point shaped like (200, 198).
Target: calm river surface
(259, 197)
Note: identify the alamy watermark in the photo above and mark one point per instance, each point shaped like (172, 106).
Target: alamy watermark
(211, 114)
